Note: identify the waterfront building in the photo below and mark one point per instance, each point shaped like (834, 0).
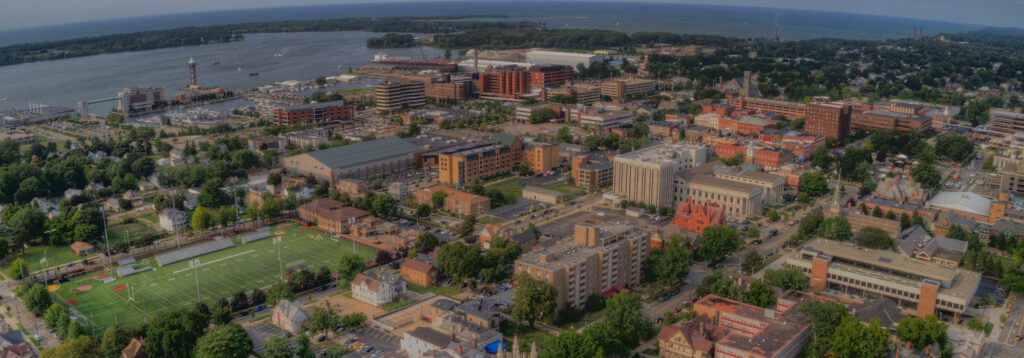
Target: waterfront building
(140, 99)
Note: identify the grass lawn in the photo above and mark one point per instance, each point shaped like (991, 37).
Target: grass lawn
(394, 306)
(151, 218)
(509, 187)
(439, 290)
(526, 335)
(55, 255)
(132, 231)
(564, 187)
(221, 274)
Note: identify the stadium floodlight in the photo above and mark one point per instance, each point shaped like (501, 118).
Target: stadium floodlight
(277, 240)
(195, 265)
(42, 262)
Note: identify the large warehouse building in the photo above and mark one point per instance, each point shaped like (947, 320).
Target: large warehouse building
(361, 160)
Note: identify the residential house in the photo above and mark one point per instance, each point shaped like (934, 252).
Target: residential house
(289, 316)
(377, 287)
(172, 220)
(81, 248)
(419, 273)
(695, 339)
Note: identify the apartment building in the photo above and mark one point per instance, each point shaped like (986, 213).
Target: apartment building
(307, 138)
(888, 120)
(467, 165)
(591, 171)
(792, 110)
(624, 87)
(598, 258)
(646, 175)
(1008, 121)
(140, 98)
(314, 113)
(453, 91)
(920, 287)
(454, 201)
(827, 119)
(541, 157)
(398, 94)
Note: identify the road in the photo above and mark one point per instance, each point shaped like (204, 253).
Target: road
(1014, 322)
(733, 262)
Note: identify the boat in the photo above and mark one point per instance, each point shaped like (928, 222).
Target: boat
(215, 62)
(278, 55)
(239, 69)
(254, 74)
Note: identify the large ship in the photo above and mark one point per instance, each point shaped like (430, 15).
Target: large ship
(408, 63)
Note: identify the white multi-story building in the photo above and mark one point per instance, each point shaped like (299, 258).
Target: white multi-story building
(646, 175)
(562, 58)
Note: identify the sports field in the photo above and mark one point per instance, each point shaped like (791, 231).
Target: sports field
(221, 274)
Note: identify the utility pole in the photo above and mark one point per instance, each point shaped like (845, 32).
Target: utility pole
(195, 266)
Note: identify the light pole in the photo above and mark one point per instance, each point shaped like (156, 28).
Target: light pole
(195, 266)
(277, 240)
(106, 237)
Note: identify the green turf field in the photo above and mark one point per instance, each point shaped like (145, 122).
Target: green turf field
(221, 274)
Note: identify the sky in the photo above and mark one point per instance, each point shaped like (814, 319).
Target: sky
(15, 14)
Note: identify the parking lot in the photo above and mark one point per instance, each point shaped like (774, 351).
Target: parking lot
(385, 345)
(442, 236)
(514, 210)
(259, 333)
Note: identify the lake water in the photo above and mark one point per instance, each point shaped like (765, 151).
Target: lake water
(305, 56)
(309, 55)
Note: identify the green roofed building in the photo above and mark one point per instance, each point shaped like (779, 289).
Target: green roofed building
(360, 160)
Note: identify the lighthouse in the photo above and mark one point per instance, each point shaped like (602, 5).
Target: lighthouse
(192, 73)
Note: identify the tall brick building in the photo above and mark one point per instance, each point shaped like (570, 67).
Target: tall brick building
(512, 81)
(827, 119)
(314, 113)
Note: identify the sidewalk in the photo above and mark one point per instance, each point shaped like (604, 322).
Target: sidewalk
(20, 314)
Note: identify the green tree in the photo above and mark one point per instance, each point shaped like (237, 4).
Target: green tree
(564, 135)
(384, 206)
(467, 226)
(227, 341)
(751, 261)
(570, 344)
(278, 347)
(534, 299)
(201, 219)
(853, 339)
(16, 270)
(954, 147)
(922, 332)
(274, 178)
(904, 221)
(813, 183)
(353, 320)
(35, 297)
(210, 194)
(717, 242)
(437, 198)
(57, 319)
(351, 264)
(426, 242)
(717, 284)
(323, 320)
(80, 347)
(113, 342)
(822, 159)
(174, 334)
(788, 279)
(759, 294)
(624, 311)
(772, 215)
(670, 263)
(303, 349)
(423, 211)
(823, 318)
(927, 175)
(875, 238)
(459, 260)
(837, 228)
(221, 315)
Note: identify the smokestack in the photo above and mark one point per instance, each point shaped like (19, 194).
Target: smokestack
(776, 37)
(915, 32)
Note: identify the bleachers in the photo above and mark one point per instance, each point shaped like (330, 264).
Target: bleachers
(131, 270)
(260, 234)
(190, 252)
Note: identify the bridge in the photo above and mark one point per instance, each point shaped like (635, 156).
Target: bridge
(83, 106)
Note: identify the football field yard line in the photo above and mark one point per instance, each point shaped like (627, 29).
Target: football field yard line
(201, 264)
